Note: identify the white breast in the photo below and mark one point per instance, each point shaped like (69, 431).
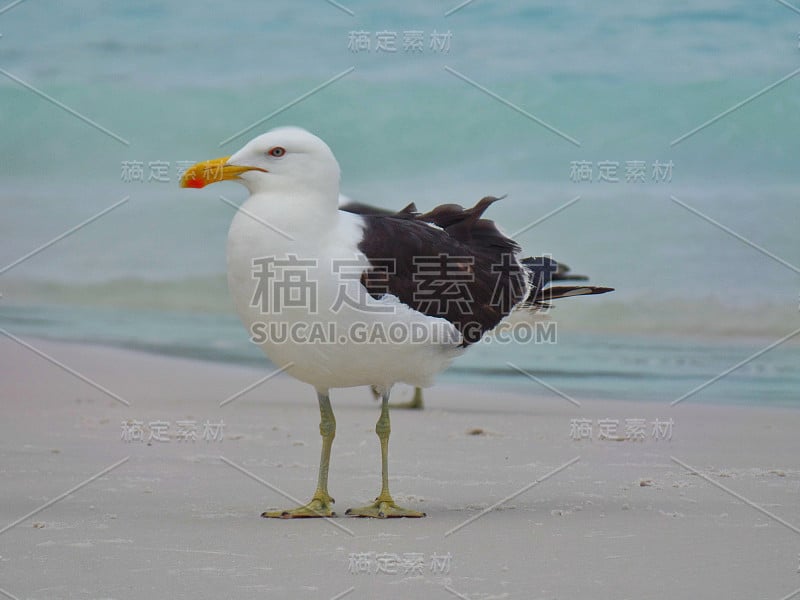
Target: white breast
(327, 348)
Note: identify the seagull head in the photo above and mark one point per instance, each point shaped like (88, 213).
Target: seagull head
(283, 159)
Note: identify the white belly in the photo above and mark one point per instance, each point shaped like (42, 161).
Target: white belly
(287, 304)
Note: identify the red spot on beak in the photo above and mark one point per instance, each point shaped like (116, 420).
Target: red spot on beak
(194, 182)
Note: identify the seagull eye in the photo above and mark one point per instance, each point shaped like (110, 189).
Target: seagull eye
(277, 151)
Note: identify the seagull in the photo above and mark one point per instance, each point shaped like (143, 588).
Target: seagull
(366, 299)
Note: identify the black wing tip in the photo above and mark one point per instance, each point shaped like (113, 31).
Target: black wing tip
(566, 291)
(367, 210)
(567, 276)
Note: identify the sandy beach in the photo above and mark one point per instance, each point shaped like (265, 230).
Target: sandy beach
(567, 518)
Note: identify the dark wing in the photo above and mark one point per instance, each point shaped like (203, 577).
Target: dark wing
(359, 208)
(448, 263)
(465, 271)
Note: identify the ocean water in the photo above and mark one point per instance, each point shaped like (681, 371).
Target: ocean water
(512, 97)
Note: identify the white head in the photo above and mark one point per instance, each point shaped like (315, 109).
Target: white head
(286, 159)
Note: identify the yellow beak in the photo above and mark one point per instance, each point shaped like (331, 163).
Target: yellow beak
(212, 171)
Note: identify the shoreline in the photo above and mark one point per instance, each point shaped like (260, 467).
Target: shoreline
(573, 319)
(485, 375)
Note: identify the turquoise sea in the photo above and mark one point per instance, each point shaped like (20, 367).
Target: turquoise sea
(675, 124)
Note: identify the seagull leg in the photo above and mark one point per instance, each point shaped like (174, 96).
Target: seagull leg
(320, 504)
(414, 404)
(384, 506)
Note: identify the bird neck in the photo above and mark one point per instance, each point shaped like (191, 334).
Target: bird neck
(298, 214)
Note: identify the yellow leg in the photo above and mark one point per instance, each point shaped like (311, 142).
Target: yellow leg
(320, 504)
(384, 506)
(415, 403)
